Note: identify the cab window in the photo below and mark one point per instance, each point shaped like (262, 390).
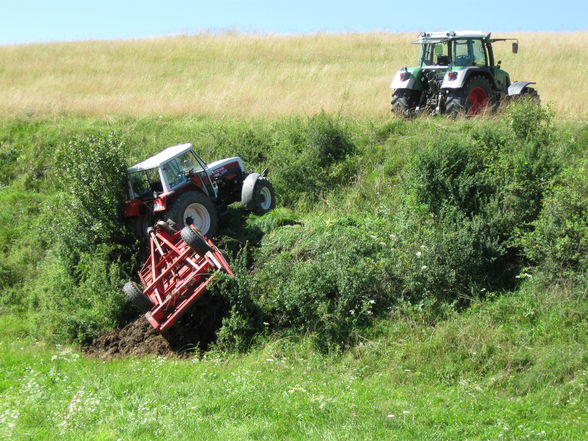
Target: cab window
(434, 54)
(174, 173)
(468, 52)
(145, 182)
(189, 163)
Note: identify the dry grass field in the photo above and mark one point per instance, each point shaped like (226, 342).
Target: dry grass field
(257, 75)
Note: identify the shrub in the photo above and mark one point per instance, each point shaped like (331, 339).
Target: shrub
(558, 243)
(325, 278)
(529, 121)
(312, 159)
(78, 302)
(80, 291)
(92, 171)
(451, 173)
(465, 198)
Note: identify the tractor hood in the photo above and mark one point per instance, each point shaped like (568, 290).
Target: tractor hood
(223, 164)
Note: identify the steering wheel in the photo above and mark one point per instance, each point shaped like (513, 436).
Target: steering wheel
(461, 60)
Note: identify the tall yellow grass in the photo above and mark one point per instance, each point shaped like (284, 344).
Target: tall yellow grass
(258, 75)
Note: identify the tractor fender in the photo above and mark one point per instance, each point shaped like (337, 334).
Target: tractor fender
(463, 75)
(409, 83)
(248, 187)
(517, 87)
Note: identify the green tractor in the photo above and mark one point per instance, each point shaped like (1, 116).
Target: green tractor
(456, 75)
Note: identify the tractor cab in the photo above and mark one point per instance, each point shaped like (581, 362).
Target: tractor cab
(167, 171)
(447, 49)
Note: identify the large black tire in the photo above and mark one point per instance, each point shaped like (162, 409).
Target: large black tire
(194, 208)
(404, 102)
(135, 295)
(263, 199)
(530, 94)
(195, 241)
(138, 225)
(472, 99)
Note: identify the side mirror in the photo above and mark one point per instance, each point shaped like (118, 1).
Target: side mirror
(515, 47)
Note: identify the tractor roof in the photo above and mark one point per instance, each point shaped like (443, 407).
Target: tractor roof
(441, 36)
(160, 158)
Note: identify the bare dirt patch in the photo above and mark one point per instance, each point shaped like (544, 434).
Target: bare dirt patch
(195, 331)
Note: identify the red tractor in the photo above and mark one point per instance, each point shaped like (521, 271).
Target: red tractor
(175, 184)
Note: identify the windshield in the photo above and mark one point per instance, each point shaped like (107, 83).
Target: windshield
(434, 54)
(177, 170)
(145, 182)
(189, 163)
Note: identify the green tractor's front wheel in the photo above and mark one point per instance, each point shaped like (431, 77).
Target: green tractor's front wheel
(404, 102)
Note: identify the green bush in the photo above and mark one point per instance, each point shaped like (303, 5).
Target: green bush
(558, 242)
(452, 172)
(93, 175)
(312, 159)
(326, 279)
(529, 121)
(78, 302)
(466, 197)
(91, 255)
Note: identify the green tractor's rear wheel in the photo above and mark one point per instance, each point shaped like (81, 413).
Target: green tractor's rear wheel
(472, 99)
(404, 102)
(530, 94)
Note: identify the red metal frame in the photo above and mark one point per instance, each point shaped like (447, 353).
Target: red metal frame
(174, 276)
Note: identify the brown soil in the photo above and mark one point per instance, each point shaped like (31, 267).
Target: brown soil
(193, 332)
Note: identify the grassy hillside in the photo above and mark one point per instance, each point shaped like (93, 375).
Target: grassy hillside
(257, 75)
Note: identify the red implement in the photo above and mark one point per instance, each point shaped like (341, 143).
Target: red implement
(179, 269)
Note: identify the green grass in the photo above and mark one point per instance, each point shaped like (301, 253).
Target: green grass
(511, 368)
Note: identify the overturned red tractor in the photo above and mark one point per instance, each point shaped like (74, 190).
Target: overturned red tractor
(177, 185)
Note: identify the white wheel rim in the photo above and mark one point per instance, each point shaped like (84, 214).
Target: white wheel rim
(199, 215)
(266, 198)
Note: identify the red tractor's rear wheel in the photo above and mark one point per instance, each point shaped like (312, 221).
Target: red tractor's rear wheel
(194, 208)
